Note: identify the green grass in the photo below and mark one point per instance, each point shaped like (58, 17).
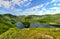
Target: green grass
(31, 33)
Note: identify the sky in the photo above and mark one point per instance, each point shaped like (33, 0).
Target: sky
(29, 7)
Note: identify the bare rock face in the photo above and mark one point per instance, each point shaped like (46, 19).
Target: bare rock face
(19, 25)
(35, 25)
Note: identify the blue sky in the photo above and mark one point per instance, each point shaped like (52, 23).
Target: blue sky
(29, 7)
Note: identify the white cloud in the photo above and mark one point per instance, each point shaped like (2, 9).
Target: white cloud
(5, 4)
(28, 4)
(15, 9)
(54, 8)
(35, 8)
(11, 4)
(25, 0)
(58, 4)
(16, 2)
(53, 1)
(19, 2)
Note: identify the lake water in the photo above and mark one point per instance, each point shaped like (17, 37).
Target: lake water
(34, 25)
(19, 25)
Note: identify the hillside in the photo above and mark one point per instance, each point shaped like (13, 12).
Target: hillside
(31, 33)
(8, 29)
(47, 19)
(8, 21)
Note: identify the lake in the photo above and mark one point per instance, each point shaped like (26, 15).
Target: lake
(34, 25)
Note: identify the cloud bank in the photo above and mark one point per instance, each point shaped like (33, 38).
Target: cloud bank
(22, 7)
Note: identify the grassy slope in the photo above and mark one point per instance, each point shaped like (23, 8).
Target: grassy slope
(7, 21)
(47, 19)
(31, 33)
(51, 19)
